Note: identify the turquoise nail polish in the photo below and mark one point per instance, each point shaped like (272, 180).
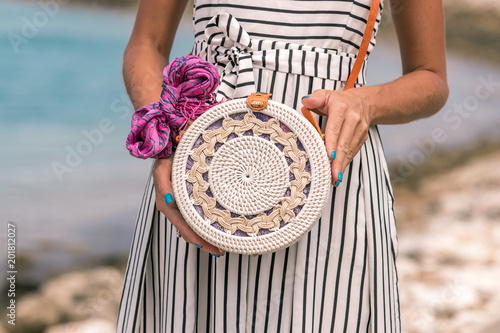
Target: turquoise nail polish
(337, 184)
(168, 198)
(306, 96)
(215, 255)
(334, 154)
(340, 176)
(198, 246)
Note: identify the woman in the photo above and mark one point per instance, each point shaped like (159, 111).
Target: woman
(341, 277)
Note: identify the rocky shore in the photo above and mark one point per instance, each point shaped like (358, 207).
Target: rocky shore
(79, 302)
(449, 242)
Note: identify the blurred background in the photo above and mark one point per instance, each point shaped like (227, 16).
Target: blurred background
(72, 192)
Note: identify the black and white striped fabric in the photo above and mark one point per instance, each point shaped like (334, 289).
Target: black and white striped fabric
(341, 277)
(240, 58)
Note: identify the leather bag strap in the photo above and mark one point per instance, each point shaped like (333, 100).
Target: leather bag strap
(363, 48)
(360, 58)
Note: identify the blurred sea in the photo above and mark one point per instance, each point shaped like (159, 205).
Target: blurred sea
(61, 85)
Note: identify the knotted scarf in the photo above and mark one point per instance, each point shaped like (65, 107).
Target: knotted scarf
(188, 90)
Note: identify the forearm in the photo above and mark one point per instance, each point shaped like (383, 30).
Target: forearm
(148, 49)
(416, 95)
(142, 74)
(423, 89)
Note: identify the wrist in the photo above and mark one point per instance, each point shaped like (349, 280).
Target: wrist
(161, 164)
(143, 74)
(367, 96)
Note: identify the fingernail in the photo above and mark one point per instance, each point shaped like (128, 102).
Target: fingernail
(168, 198)
(334, 153)
(306, 96)
(198, 246)
(215, 255)
(337, 184)
(340, 176)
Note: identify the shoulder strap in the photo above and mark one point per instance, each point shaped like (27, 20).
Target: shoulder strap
(363, 48)
(360, 58)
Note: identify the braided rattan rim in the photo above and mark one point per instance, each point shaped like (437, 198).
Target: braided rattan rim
(298, 226)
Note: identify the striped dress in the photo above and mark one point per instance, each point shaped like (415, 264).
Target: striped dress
(341, 276)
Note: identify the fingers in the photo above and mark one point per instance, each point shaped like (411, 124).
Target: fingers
(317, 102)
(345, 146)
(338, 135)
(162, 175)
(346, 129)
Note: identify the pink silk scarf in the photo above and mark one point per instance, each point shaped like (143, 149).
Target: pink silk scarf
(189, 84)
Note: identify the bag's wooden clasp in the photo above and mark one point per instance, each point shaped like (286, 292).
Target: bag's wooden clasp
(258, 101)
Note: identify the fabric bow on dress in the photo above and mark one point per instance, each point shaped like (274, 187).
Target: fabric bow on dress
(240, 59)
(225, 35)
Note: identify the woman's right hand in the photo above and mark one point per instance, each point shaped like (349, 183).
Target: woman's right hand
(163, 184)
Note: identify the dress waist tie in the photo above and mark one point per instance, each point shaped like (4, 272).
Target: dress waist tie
(236, 55)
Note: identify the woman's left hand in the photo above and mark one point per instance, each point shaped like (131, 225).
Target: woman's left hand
(347, 126)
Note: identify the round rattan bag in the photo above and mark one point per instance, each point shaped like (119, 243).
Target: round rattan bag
(251, 181)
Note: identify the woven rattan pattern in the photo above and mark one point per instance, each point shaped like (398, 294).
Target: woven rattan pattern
(319, 187)
(245, 183)
(282, 212)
